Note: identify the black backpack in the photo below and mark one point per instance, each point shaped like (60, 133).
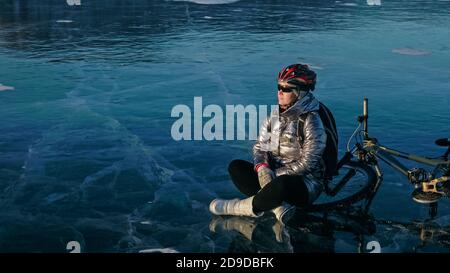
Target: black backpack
(330, 155)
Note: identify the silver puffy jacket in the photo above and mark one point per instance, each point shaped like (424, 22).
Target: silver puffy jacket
(280, 145)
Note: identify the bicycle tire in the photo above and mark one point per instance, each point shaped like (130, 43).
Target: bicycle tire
(361, 193)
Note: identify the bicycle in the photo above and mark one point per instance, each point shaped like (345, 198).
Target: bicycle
(359, 175)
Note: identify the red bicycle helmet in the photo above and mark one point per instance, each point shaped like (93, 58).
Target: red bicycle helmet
(297, 76)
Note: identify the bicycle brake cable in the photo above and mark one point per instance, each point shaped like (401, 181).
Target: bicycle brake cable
(351, 137)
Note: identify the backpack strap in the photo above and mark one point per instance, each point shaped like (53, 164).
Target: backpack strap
(300, 124)
(330, 131)
(330, 118)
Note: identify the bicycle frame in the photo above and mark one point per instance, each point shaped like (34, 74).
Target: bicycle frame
(371, 152)
(387, 154)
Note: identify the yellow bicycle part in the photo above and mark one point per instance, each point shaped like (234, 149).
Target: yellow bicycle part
(431, 186)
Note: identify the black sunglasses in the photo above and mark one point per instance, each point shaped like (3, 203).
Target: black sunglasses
(285, 89)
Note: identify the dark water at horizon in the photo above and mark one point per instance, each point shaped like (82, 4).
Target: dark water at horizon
(86, 94)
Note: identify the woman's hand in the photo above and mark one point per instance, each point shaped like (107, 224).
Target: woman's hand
(265, 175)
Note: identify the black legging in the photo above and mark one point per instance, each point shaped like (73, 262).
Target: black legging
(284, 188)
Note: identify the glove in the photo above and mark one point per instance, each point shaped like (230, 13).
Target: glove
(265, 175)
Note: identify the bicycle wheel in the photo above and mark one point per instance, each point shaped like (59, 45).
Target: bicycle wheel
(361, 181)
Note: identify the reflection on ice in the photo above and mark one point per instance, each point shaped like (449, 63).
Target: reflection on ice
(64, 21)
(374, 2)
(158, 250)
(330, 232)
(410, 51)
(73, 2)
(210, 2)
(349, 4)
(5, 87)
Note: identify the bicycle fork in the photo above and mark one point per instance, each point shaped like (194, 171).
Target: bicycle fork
(377, 185)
